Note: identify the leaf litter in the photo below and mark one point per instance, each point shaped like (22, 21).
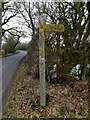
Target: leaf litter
(63, 100)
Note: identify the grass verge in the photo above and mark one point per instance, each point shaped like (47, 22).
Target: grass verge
(9, 54)
(12, 95)
(63, 100)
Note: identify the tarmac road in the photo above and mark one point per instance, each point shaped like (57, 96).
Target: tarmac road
(9, 67)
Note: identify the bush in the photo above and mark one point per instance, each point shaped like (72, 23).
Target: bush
(22, 46)
(9, 46)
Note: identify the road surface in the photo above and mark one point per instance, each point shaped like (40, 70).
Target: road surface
(9, 67)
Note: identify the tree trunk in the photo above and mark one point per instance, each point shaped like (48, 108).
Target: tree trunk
(84, 68)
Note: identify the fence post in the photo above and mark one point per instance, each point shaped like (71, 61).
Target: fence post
(42, 63)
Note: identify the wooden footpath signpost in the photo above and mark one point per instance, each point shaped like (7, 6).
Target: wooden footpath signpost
(42, 29)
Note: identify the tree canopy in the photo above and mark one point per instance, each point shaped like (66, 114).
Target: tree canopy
(66, 50)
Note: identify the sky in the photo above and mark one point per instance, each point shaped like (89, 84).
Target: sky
(50, 0)
(18, 22)
(15, 22)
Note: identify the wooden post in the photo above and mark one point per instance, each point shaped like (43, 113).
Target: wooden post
(42, 63)
(42, 29)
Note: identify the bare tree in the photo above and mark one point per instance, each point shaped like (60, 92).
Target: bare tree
(29, 14)
(74, 49)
